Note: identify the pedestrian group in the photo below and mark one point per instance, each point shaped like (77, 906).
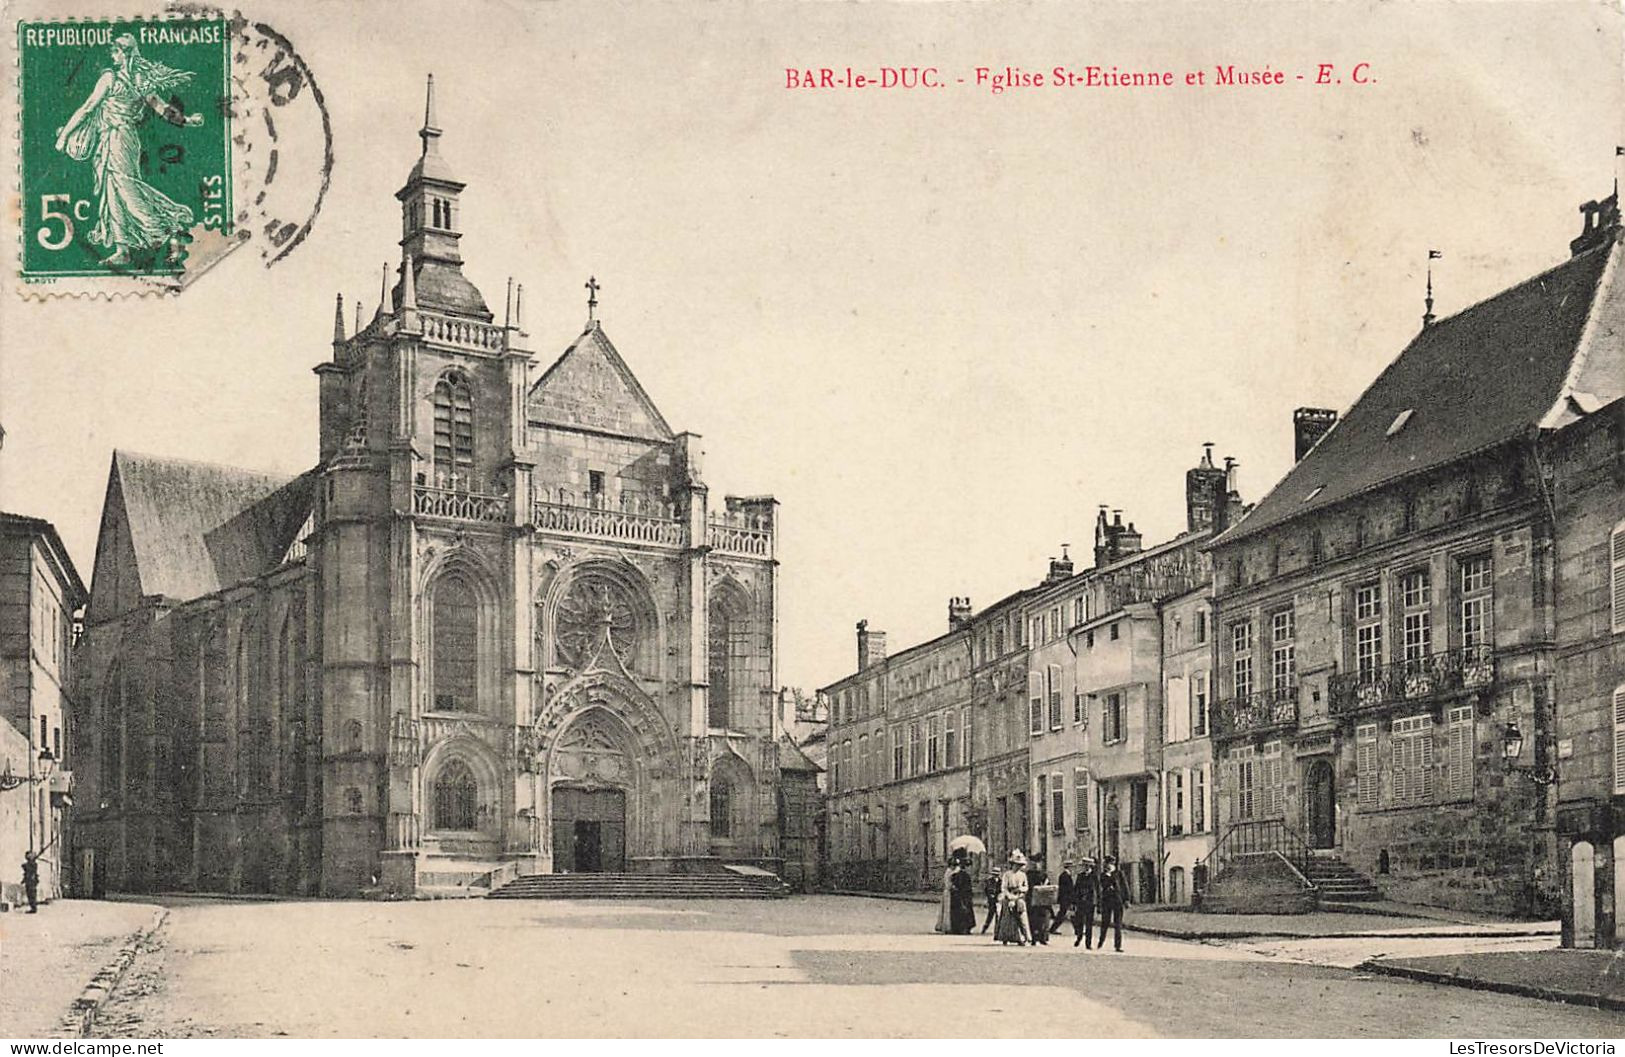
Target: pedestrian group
(1025, 909)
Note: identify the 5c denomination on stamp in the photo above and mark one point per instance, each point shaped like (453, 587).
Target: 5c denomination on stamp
(125, 145)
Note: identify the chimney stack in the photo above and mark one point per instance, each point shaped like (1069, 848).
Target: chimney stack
(1204, 492)
(958, 613)
(1309, 424)
(1060, 568)
(871, 646)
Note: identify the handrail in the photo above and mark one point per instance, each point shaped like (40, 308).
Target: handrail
(1256, 837)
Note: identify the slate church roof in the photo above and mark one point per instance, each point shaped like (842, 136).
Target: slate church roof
(195, 528)
(1536, 355)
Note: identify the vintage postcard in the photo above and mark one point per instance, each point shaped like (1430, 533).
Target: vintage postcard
(790, 520)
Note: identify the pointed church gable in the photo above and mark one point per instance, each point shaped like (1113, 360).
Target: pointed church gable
(115, 579)
(590, 387)
(195, 528)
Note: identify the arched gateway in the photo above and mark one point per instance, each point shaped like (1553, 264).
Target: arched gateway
(606, 773)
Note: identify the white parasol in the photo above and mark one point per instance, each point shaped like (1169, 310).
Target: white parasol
(968, 843)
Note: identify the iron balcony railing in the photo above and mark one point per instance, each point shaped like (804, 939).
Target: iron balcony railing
(1265, 710)
(1468, 668)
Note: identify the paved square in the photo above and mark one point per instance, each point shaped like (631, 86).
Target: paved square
(815, 966)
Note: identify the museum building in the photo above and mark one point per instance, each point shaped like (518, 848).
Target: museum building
(499, 629)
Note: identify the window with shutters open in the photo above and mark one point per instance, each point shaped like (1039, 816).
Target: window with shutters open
(1052, 677)
(1616, 573)
(1035, 703)
(1619, 738)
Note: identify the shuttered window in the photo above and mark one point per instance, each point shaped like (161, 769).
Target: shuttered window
(1035, 703)
(1413, 760)
(1272, 781)
(1459, 754)
(1616, 557)
(1052, 676)
(1619, 739)
(1365, 764)
(1080, 799)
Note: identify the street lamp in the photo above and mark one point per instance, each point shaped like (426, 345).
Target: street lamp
(45, 763)
(1512, 748)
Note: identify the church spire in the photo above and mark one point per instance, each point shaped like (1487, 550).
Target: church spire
(338, 318)
(431, 205)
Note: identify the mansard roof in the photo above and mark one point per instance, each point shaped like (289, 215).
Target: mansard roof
(196, 528)
(590, 388)
(1544, 349)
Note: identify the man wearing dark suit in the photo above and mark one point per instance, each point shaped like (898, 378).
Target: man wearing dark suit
(1085, 892)
(1063, 901)
(1037, 917)
(1113, 897)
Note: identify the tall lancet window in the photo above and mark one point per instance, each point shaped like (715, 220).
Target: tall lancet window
(453, 432)
(456, 640)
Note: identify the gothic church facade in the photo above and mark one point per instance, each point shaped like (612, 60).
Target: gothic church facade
(500, 628)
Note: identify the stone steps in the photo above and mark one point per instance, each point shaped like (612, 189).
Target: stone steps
(1338, 882)
(642, 886)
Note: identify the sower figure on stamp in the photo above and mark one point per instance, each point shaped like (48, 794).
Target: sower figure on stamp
(31, 881)
(1113, 897)
(132, 214)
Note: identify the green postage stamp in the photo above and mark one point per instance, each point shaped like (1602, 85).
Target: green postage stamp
(125, 145)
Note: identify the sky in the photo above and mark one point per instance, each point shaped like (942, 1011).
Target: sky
(940, 325)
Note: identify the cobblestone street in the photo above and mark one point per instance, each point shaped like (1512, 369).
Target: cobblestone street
(803, 967)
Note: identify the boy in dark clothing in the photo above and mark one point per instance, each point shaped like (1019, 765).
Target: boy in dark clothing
(1063, 893)
(31, 881)
(990, 890)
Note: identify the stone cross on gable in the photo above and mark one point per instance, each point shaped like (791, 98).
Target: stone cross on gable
(592, 296)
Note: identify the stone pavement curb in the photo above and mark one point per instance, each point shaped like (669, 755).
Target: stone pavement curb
(81, 1016)
(1575, 998)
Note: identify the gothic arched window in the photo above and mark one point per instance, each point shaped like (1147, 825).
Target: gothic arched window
(456, 640)
(453, 432)
(729, 656)
(721, 807)
(456, 795)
